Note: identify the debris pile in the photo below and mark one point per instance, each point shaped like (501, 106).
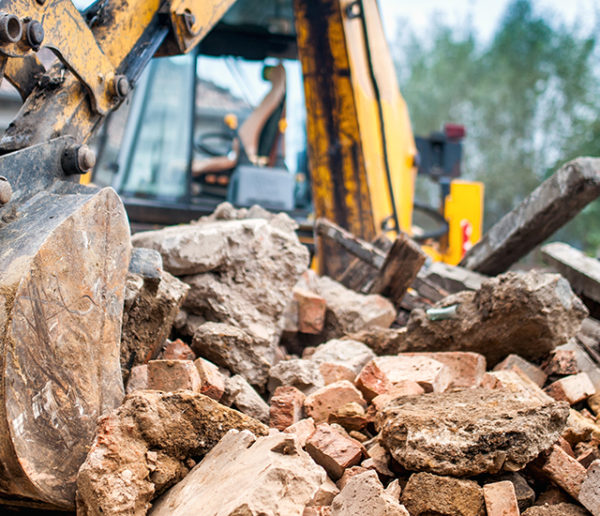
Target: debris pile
(256, 387)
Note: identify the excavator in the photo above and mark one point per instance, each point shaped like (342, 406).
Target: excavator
(66, 244)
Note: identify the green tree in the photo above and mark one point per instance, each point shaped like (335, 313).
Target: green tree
(529, 98)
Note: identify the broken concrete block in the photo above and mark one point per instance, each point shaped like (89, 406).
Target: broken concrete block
(560, 509)
(325, 401)
(466, 369)
(332, 373)
(149, 312)
(378, 460)
(563, 470)
(173, 375)
(348, 474)
(469, 432)
(326, 493)
(303, 429)
(394, 489)
(364, 494)
(573, 388)
(302, 374)
(348, 311)
(242, 396)
(531, 370)
(178, 350)
(405, 388)
(236, 350)
(500, 499)
(427, 494)
(311, 311)
(348, 353)
(561, 362)
(381, 374)
(589, 493)
(138, 378)
(333, 450)
(212, 382)
(117, 477)
(243, 475)
(286, 407)
(490, 321)
(383, 341)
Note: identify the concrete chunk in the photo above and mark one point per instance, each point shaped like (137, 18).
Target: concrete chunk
(469, 432)
(348, 353)
(241, 395)
(589, 493)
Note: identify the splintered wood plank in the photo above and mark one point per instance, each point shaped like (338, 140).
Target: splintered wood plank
(551, 205)
(402, 264)
(359, 275)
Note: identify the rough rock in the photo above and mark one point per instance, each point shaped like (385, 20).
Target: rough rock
(138, 378)
(561, 362)
(364, 494)
(351, 416)
(240, 395)
(173, 375)
(149, 312)
(242, 476)
(468, 432)
(348, 353)
(302, 374)
(236, 350)
(517, 383)
(325, 401)
(427, 494)
(140, 448)
(466, 369)
(347, 310)
(536, 374)
(560, 509)
(589, 494)
(303, 429)
(525, 313)
(383, 341)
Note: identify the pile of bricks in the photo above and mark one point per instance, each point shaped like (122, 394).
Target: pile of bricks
(281, 392)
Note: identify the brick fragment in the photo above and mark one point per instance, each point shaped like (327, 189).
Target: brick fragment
(561, 362)
(500, 499)
(286, 407)
(466, 368)
(328, 399)
(303, 429)
(563, 470)
(589, 494)
(351, 416)
(138, 378)
(173, 375)
(404, 388)
(332, 373)
(322, 510)
(311, 311)
(532, 371)
(332, 450)
(178, 350)
(348, 474)
(212, 382)
(573, 388)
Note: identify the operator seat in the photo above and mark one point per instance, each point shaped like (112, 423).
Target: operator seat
(256, 136)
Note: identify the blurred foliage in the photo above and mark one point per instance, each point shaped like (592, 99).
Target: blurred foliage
(529, 97)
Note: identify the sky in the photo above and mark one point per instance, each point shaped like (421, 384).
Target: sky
(485, 13)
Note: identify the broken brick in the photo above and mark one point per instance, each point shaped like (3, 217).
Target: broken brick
(178, 350)
(311, 311)
(500, 499)
(573, 388)
(328, 399)
(286, 407)
(212, 382)
(332, 450)
(532, 371)
(563, 470)
(332, 373)
(561, 362)
(173, 375)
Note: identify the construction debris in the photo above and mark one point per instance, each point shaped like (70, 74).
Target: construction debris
(445, 393)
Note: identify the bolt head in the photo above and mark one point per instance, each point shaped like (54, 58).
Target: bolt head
(121, 86)
(11, 28)
(35, 34)
(86, 158)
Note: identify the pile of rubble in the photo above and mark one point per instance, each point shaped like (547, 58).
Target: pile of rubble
(285, 393)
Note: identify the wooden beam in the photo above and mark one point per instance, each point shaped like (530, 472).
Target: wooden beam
(551, 205)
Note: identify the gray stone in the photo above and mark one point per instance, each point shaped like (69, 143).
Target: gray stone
(525, 313)
(348, 353)
(240, 394)
(245, 476)
(469, 432)
(297, 372)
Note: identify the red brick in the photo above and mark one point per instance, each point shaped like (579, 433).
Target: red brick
(332, 450)
(286, 407)
(561, 362)
(405, 388)
(466, 368)
(212, 382)
(178, 350)
(533, 372)
(332, 373)
(311, 311)
(588, 456)
(381, 374)
(573, 388)
(500, 499)
(303, 429)
(328, 399)
(138, 378)
(563, 470)
(173, 375)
